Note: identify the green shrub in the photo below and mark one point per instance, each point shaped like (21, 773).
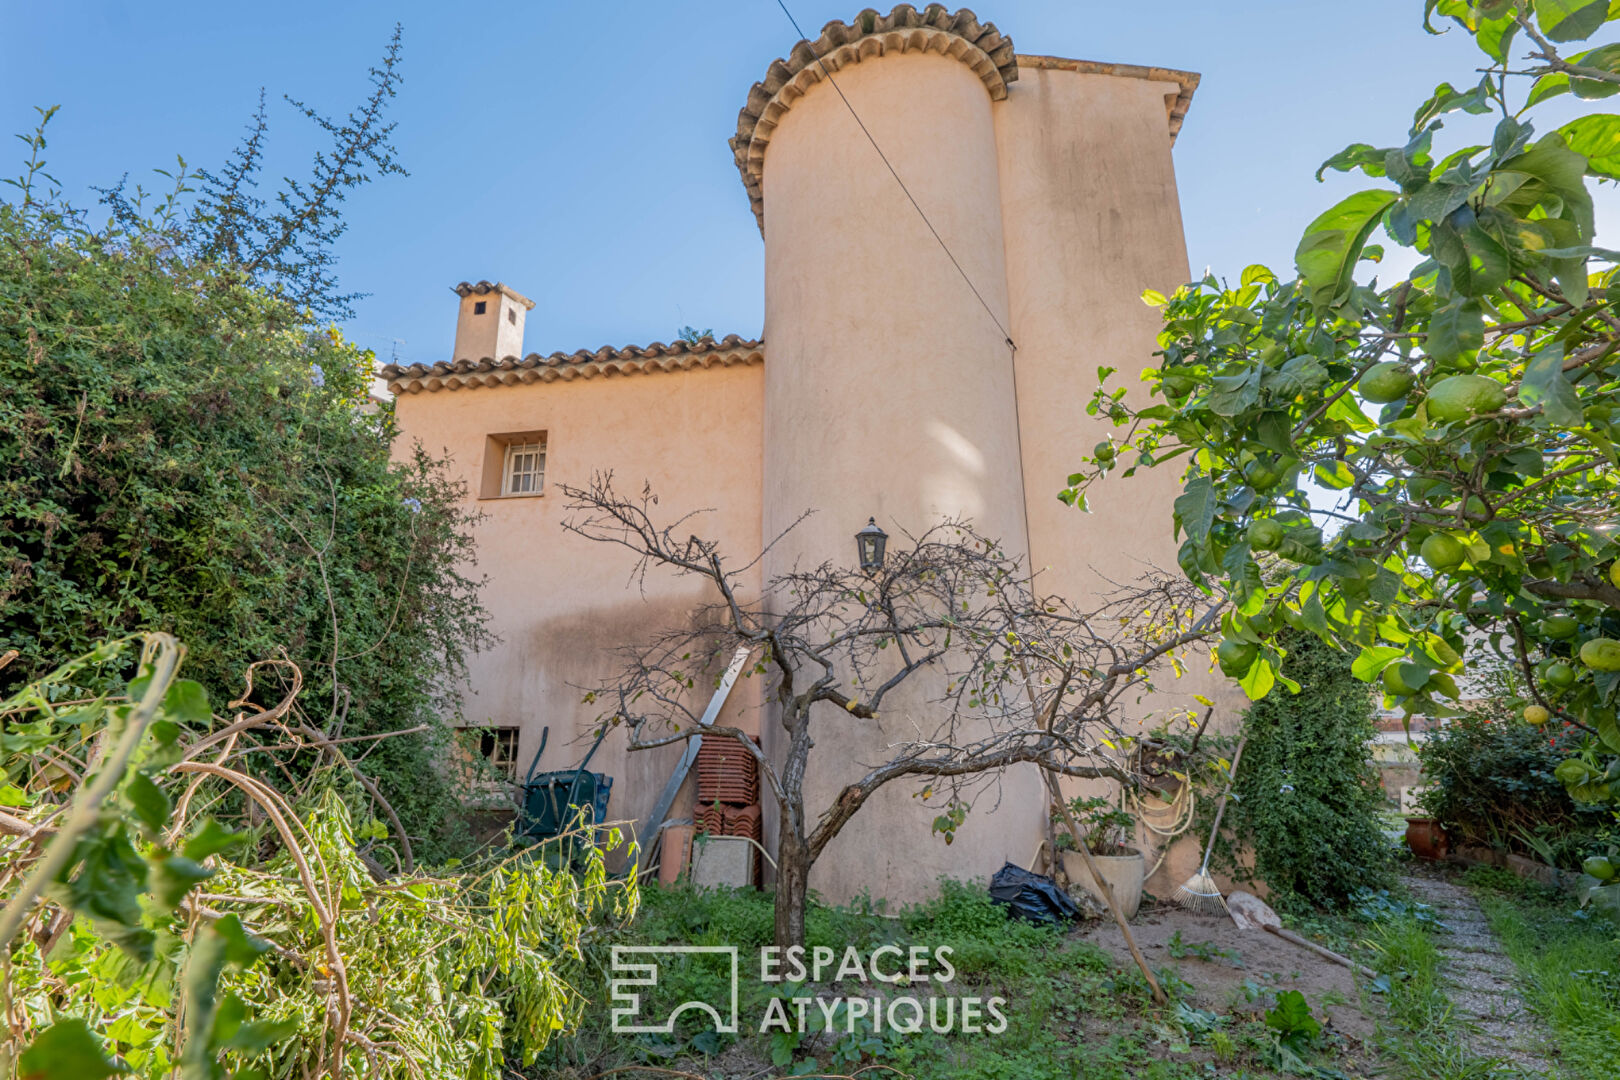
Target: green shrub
(188, 452)
(1307, 798)
(1489, 780)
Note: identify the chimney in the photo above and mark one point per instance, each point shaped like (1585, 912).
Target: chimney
(490, 323)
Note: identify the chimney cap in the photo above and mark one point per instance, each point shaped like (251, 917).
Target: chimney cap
(465, 290)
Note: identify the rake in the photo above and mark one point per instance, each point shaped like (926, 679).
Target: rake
(1199, 892)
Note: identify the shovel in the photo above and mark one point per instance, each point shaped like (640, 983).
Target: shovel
(1251, 913)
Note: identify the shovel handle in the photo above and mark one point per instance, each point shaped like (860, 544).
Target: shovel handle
(1322, 951)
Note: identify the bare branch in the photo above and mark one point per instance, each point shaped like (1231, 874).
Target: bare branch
(950, 620)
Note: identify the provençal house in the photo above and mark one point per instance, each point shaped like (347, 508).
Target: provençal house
(883, 388)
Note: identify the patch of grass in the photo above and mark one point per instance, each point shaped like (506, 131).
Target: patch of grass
(986, 945)
(1568, 961)
(1072, 1011)
(1430, 1043)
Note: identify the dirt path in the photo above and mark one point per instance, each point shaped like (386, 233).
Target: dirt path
(1478, 977)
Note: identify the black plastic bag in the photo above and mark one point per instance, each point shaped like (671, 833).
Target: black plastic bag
(1031, 897)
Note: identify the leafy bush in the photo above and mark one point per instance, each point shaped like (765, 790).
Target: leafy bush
(1307, 799)
(186, 451)
(1490, 781)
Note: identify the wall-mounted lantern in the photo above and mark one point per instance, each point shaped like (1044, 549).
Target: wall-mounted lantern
(870, 543)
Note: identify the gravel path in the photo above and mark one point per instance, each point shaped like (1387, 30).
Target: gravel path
(1479, 978)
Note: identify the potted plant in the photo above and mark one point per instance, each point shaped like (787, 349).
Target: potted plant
(1107, 831)
(1425, 836)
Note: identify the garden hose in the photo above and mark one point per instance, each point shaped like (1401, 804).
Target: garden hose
(1181, 811)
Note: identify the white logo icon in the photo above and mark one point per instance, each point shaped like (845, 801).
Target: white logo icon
(628, 976)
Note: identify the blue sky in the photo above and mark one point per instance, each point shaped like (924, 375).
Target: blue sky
(578, 151)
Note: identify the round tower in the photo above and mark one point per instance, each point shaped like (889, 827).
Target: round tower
(888, 383)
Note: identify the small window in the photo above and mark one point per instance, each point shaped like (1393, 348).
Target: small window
(514, 465)
(499, 747)
(479, 306)
(511, 316)
(525, 470)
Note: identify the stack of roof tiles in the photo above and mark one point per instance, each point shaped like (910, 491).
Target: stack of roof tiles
(728, 790)
(726, 773)
(717, 819)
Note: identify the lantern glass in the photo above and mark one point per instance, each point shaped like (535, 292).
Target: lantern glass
(870, 544)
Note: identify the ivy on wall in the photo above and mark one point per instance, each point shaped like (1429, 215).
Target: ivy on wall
(1307, 798)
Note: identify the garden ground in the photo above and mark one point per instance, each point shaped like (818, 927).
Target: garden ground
(1243, 1004)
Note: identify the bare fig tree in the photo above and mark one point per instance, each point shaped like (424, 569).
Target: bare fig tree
(1011, 676)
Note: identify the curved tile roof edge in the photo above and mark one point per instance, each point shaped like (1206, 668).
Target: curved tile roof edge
(935, 29)
(980, 45)
(483, 288)
(730, 351)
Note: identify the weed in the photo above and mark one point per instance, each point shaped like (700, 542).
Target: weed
(1378, 905)
(1410, 979)
(1293, 1022)
(1207, 951)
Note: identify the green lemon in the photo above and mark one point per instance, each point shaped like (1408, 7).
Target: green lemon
(1559, 626)
(1614, 573)
(1386, 382)
(1236, 657)
(1462, 397)
(1443, 552)
(1175, 386)
(1560, 676)
(1262, 475)
(1403, 680)
(1266, 535)
(1535, 715)
(1601, 654)
(1599, 867)
(1104, 451)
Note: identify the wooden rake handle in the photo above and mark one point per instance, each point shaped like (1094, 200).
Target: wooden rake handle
(1220, 811)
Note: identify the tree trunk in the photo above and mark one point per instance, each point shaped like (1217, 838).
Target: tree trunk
(792, 889)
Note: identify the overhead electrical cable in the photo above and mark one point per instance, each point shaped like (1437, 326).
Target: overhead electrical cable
(1012, 347)
(827, 73)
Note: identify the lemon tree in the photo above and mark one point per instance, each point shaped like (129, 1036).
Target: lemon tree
(1463, 416)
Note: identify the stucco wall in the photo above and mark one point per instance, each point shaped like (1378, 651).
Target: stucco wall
(562, 604)
(1092, 218)
(888, 393)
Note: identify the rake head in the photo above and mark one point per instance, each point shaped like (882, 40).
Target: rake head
(1200, 893)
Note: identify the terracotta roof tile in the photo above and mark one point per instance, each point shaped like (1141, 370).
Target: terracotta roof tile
(960, 34)
(979, 45)
(730, 351)
(483, 288)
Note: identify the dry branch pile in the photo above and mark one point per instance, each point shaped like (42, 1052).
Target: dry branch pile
(188, 891)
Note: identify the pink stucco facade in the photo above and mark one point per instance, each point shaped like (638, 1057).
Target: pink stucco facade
(884, 387)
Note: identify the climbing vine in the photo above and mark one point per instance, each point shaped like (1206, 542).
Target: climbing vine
(1307, 800)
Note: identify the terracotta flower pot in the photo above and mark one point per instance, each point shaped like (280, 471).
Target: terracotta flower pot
(1426, 838)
